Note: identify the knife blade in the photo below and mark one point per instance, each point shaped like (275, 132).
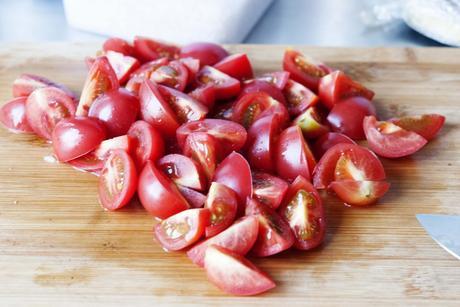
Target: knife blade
(444, 229)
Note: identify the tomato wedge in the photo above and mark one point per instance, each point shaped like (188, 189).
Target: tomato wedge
(359, 193)
(13, 115)
(328, 140)
(268, 189)
(147, 49)
(426, 125)
(253, 106)
(337, 86)
(232, 136)
(142, 73)
(277, 78)
(118, 45)
(223, 203)
(45, 107)
(148, 143)
(118, 180)
(205, 150)
(234, 172)
(258, 86)
(239, 238)
(182, 229)
(158, 194)
(206, 95)
(206, 53)
(101, 78)
(303, 70)
(156, 110)
(183, 171)
(225, 86)
(311, 123)
(353, 162)
(194, 198)
(304, 211)
(174, 75)
(237, 66)
(185, 107)
(25, 84)
(298, 97)
(193, 66)
(123, 65)
(391, 141)
(293, 156)
(234, 274)
(275, 235)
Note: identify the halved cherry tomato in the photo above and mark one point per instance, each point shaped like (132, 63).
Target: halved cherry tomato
(101, 78)
(359, 193)
(25, 84)
(118, 109)
(174, 75)
(118, 45)
(298, 97)
(347, 116)
(158, 194)
(302, 69)
(223, 111)
(182, 229)
(225, 86)
(118, 180)
(204, 149)
(234, 274)
(426, 125)
(77, 136)
(45, 107)
(337, 86)
(149, 144)
(275, 235)
(391, 141)
(257, 86)
(223, 204)
(304, 211)
(277, 78)
(185, 107)
(156, 110)
(205, 94)
(327, 140)
(193, 66)
(253, 106)
(207, 53)
(194, 198)
(239, 238)
(183, 170)
(142, 73)
(231, 135)
(356, 162)
(13, 115)
(237, 66)
(293, 156)
(261, 142)
(147, 49)
(235, 172)
(123, 65)
(311, 123)
(268, 189)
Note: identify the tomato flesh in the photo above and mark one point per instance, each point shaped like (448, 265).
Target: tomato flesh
(426, 125)
(13, 115)
(122, 65)
(237, 66)
(182, 229)
(206, 95)
(183, 171)
(194, 198)
(205, 150)
(206, 53)
(277, 78)
(298, 97)
(147, 49)
(311, 123)
(359, 193)
(328, 140)
(118, 45)
(185, 107)
(149, 144)
(25, 84)
(268, 189)
(222, 202)
(258, 86)
(225, 87)
(144, 72)
(174, 75)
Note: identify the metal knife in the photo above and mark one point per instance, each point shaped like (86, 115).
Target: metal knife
(444, 229)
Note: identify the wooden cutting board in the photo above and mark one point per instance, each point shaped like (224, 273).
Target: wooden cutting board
(57, 246)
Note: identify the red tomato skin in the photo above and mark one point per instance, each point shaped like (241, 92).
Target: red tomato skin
(183, 171)
(193, 66)
(347, 116)
(205, 150)
(257, 86)
(137, 77)
(122, 65)
(222, 202)
(293, 156)
(146, 49)
(185, 107)
(225, 87)
(207, 53)
(194, 198)
(241, 277)
(261, 142)
(298, 97)
(268, 189)
(45, 107)
(426, 125)
(118, 45)
(129, 181)
(317, 212)
(234, 172)
(237, 66)
(337, 86)
(156, 111)
(13, 116)
(25, 84)
(275, 235)
(239, 238)
(205, 94)
(77, 136)
(149, 144)
(197, 219)
(327, 140)
(118, 109)
(394, 145)
(277, 78)
(158, 194)
(174, 75)
(349, 191)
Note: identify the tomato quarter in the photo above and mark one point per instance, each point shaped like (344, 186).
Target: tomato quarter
(268, 189)
(207, 53)
(13, 115)
(426, 125)
(223, 204)
(183, 171)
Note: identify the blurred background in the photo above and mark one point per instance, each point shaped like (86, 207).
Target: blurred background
(308, 22)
